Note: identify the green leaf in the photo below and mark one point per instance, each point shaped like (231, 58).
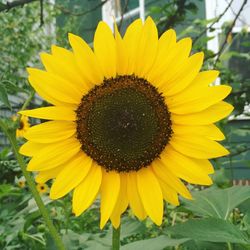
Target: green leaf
(210, 229)
(131, 227)
(157, 243)
(4, 97)
(217, 202)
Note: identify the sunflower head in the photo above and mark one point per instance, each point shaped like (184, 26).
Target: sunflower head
(42, 188)
(23, 125)
(129, 121)
(21, 182)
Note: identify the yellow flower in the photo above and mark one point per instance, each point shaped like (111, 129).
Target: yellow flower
(23, 126)
(130, 120)
(42, 188)
(21, 182)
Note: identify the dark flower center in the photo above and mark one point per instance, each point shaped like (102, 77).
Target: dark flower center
(123, 124)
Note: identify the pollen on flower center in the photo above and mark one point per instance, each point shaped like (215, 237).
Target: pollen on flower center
(123, 123)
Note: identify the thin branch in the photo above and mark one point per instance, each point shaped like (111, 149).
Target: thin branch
(229, 32)
(69, 12)
(175, 17)
(17, 3)
(213, 23)
(41, 13)
(243, 21)
(239, 152)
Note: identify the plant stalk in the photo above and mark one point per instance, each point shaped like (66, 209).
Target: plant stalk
(116, 238)
(11, 136)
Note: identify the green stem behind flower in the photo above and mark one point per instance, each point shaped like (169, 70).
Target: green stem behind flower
(116, 238)
(11, 136)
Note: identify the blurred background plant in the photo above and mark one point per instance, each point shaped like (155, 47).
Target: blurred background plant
(219, 217)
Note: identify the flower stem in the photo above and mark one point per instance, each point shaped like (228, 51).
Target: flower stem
(116, 238)
(11, 136)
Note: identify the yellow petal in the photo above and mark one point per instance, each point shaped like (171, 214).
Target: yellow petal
(122, 202)
(110, 189)
(85, 193)
(30, 148)
(194, 89)
(53, 85)
(164, 54)
(131, 41)
(63, 64)
(195, 103)
(178, 82)
(209, 131)
(179, 56)
(170, 179)
(46, 175)
(210, 115)
(49, 97)
(147, 48)
(105, 49)
(72, 173)
(51, 113)
(198, 147)
(52, 131)
(169, 194)
(134, 197)
(151, 194)
(121, 54)
(54, 154)
(86, 61)
(185, 167)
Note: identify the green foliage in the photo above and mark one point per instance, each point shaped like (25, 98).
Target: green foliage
(217, 203)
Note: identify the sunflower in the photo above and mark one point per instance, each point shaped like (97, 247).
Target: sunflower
(130, 121)
(23, 125)
(21, 182)
(42, 188)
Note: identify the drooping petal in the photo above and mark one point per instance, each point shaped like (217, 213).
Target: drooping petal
(51, 113)
(85, 193)
(169, 194)
(54, 155)
(210, 115)
(44, 176)
(110, 189)
(185, 167)
(52, 131)
(105, 49)
(198, 147)
(122, 202)
(72, 173)
(134, 197)
(151, 195)
(171, 180)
